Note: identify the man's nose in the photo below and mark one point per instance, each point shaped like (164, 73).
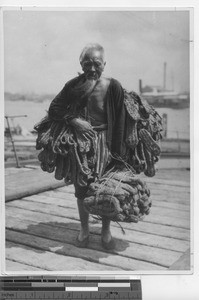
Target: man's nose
(93, 68)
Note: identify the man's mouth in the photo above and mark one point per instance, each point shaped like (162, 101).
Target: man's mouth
(92, 75)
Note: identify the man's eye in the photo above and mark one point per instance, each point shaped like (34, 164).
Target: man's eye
(97, 64)
(87, 64)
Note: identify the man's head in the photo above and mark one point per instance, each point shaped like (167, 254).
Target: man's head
(92, 61)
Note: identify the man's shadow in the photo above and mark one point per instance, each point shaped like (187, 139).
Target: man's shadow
(60, 238)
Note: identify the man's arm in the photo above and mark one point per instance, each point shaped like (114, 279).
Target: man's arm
(118, 133)
(60, 110)
(59, 107)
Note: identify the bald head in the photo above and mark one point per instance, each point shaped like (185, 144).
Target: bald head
(89, 48)
(92, 61)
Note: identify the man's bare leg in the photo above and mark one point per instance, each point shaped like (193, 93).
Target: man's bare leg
(106, 231)
(107, 241)
(84, 216)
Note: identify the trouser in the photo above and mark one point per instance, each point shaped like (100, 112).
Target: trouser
(102, 159)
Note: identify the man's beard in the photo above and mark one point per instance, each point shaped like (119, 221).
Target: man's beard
(83, 88)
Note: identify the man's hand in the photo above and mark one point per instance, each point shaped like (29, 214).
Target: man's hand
(83, 127)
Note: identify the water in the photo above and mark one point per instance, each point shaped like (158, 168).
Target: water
(178, 119)
(34, 111)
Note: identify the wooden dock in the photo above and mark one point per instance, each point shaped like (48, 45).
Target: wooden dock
(41, 230)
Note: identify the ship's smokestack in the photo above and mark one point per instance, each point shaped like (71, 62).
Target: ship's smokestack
(172, 81)
(140, 85)
(164, 76)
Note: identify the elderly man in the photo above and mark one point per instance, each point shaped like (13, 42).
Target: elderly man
(94, 105)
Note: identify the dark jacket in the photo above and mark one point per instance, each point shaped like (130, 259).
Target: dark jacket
(63, 107)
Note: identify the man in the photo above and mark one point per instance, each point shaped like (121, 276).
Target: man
(94, 106)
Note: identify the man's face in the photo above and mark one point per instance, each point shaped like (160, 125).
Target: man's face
(93, 64)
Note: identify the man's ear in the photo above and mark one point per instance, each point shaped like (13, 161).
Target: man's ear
(105, 63)
(81, 65)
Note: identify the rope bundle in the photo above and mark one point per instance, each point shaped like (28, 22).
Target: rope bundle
(144, 126)
(65, 152)
(118, 196)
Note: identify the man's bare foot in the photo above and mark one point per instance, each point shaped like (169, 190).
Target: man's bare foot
(82, 239)
(106, 235)
(83, 234)
(107, 241)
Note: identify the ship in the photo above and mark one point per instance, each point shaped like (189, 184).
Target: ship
(160, 96)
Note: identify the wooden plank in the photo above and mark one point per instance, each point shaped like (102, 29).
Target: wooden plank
(20, 193)
(183, 263)
(161, 230)
(49, 209)
(84, 253)
(14, 170)
(51, 261)
(33, 173)
(175, 183)
(170, 221)
(13, 266)
(171, 188)
(171, 198)
(131, 250)
(181, 174)
(156, 210)
(29, 182)
(68, 188)
(166, 190)
(69, 212)
(29, 166)
(62, 198)
(130, 235)
(72, 204)
(53, 198)
(59, 194)
(174, 206)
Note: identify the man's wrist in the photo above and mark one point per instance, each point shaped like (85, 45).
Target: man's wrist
(73, 119)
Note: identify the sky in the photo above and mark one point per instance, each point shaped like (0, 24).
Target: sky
(42, 48)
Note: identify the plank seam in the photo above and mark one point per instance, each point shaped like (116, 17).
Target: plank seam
(9, 259)
(166, 224)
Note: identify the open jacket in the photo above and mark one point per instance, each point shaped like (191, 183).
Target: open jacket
(63, 107)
